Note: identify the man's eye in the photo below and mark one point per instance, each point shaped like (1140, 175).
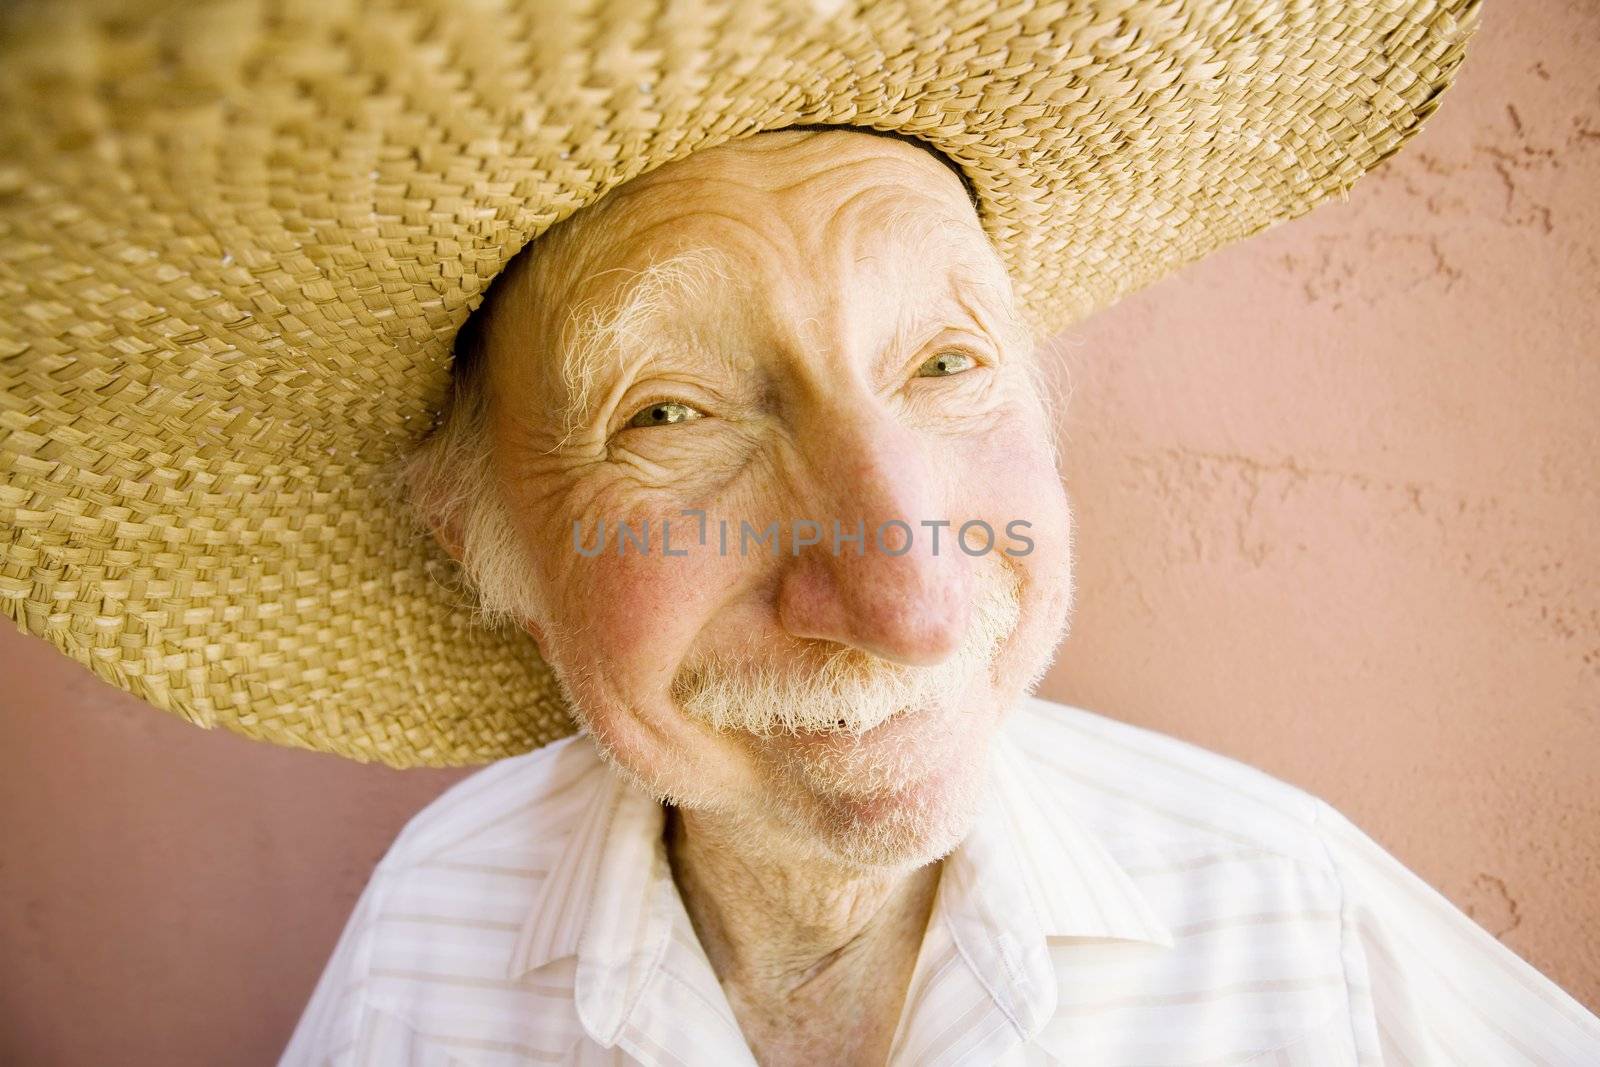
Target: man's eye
(664, 413)
(946, 363)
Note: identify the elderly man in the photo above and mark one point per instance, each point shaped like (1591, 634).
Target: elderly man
(747, 457)
(813, 820)
(796, 325)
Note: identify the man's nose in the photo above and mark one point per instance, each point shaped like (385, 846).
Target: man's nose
(890, 591)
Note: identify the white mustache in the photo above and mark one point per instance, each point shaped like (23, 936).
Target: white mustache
(852, 691)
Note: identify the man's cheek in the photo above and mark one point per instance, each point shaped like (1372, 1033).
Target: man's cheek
(1018, 491)
(1024, 505)
(641, 609)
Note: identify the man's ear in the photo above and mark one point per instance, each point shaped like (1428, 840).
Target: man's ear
(536, 632)
(448, 536)
(447, 533)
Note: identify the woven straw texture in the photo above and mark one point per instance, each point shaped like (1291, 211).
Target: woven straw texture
(237, 239)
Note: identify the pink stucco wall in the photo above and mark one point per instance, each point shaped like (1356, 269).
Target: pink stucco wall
(1339, 497)
(1336, 492)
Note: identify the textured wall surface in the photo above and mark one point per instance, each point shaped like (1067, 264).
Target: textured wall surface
(1336, 492)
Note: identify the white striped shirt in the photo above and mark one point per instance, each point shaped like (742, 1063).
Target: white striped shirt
(1125, 898)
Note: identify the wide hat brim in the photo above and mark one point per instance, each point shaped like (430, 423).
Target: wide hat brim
(237, 239)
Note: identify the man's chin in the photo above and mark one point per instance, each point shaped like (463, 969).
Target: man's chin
(903, 791)
(910, 825)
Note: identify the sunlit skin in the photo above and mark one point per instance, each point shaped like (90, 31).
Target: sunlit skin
(808, 862)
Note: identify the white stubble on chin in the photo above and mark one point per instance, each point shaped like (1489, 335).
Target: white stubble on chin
(916, 820)
(885, 788)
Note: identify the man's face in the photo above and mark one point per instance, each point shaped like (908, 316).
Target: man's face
(834, 342)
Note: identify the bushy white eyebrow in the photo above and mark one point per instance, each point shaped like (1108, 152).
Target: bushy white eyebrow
(593, 333)
(975, 288)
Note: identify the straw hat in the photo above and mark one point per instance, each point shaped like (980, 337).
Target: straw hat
(237, 240)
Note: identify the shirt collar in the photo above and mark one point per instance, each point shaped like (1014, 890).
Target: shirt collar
(1077, 887)
(606, 900)
(1027, 870)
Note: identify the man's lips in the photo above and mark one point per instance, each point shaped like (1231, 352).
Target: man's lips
(903, 726)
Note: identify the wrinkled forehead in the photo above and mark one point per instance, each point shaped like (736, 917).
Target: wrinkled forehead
(773, 229)
(792, 213)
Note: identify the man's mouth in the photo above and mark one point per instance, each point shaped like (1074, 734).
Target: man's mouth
(841, 727)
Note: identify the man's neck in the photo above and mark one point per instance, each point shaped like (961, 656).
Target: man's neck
(798, 942)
